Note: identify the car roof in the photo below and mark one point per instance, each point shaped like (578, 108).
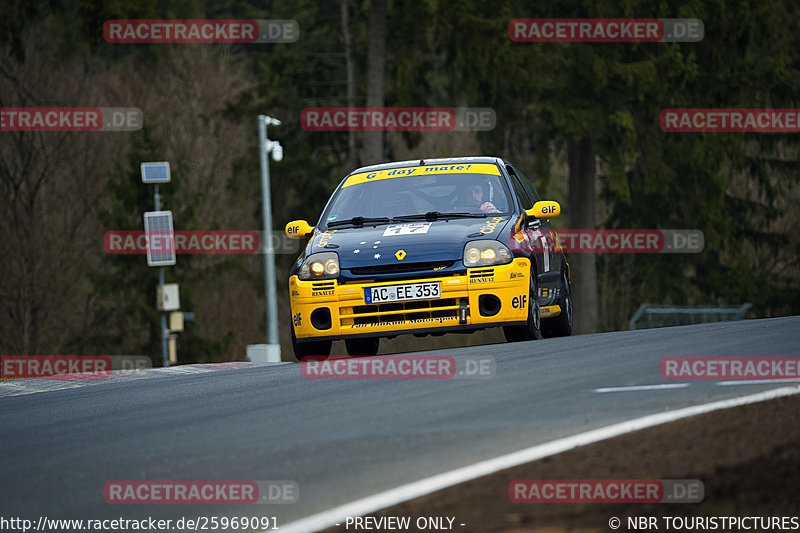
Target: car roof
(433, 161)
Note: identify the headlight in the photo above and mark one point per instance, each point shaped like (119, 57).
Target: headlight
(324, 265)
(486, 253)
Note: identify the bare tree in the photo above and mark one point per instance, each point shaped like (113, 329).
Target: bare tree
(55, 185)
(352, 155)
(49, 182)
(376, 72)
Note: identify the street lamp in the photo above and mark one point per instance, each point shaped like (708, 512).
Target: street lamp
(265, 147)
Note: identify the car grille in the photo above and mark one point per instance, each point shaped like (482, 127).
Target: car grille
(400, 268)
(376, 314)
(482, 273)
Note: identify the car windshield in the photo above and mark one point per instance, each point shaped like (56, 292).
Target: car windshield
(417, 191)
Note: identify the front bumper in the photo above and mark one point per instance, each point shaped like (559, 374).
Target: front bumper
(324, 310)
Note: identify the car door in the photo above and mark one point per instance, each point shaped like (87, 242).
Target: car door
(556, 252)
(539, 233)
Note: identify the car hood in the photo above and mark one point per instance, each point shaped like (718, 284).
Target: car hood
(441, 240)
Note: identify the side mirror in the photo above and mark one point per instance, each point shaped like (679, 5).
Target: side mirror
(297, 229)
(545, 209)
(522, 222)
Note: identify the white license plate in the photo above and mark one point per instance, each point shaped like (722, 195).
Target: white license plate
(398, 293)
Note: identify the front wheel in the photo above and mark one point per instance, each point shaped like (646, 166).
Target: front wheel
(560, 326)
(530, 331)
(306, 349)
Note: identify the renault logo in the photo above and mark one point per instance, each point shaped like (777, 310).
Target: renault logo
(400, 254)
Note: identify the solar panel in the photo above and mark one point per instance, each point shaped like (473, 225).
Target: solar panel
(160, 238)
(155, 172)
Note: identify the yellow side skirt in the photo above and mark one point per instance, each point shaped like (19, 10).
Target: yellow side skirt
(550, 311)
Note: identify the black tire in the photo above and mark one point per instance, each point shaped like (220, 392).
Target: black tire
(561, 326)
(305, 349)
(530, 331)
(367, 346)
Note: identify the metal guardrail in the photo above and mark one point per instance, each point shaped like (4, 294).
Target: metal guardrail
(654, 316)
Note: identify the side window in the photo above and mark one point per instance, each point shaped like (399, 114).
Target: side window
(528, 186)
(522, 194)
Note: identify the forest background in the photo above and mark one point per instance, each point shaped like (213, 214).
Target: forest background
(581, 120)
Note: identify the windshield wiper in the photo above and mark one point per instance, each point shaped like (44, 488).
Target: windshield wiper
(359, 221)
(435, 215)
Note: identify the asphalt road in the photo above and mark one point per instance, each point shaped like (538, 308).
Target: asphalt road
(340, 440)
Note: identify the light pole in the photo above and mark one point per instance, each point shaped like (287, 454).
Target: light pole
(266, 146)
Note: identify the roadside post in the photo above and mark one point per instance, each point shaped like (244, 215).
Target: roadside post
(158, 228)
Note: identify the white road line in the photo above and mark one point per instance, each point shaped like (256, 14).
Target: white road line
(422, 487)
(756, 382)
(643, 387)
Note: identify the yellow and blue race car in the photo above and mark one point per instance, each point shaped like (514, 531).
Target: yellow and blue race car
(428, 247)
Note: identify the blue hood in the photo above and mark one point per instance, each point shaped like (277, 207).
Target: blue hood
(442, 240)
